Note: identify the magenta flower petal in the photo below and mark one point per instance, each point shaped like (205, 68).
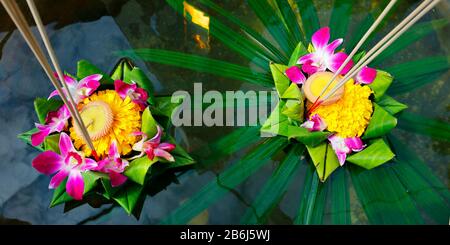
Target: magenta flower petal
(39, 137)
(164, 154)
(58, 178)
(53, 94)
(309, 68)
(65, 144)
(316, 123)
(320, 38)
(89, 84)
(123, 89)
(75, 185)
(157, 138)
(68, 79)
(337, 60)
(333, 46)
(150, 154)
(294, 73)
(89, 164)
(354, 143)
(48, 162)
(305, 58)
(117, 179)
(366, 75)
(167, 146)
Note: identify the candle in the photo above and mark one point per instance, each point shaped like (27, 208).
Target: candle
(315, 84)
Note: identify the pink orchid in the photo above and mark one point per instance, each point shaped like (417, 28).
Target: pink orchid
(295, 74)
(344, 146)
(315, 123)
(114, 166)
(366, 76)
(154, 147)
(80, 90)
(69, 163)
(323, 57)
(137, 95)
(55, 121)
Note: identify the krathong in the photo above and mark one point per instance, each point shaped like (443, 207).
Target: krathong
(129, 128)
(350, 123)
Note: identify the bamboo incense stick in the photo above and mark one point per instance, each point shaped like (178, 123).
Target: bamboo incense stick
(425, 7)
(20, 21)
(358, 45)
(55, 63)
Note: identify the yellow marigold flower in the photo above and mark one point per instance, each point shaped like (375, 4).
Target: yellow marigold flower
(350, 115)
(108, 118)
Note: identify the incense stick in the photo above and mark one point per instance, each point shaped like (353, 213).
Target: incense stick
(358, 45)
(20, 21)
(55, 63)
(375, 51)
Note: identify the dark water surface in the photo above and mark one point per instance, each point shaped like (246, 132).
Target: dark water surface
(94, 30)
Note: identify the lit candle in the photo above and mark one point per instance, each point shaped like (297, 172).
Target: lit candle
(315, 84)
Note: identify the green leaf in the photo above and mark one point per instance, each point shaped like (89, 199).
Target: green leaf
(129, 196)
(275, 54)
(122, 67)
(299, 51)
(200, 64)
(293, 92)
(277, 123)
(358, 56)
(377, 153)
(381, 83)
(182, 158)
(324, 159)
(414, 34)
(359, 32)
(383, 197)
(274, 24)
(391, 105)
(305, 136)
(294, 110)
(137, 170)
(86, 69)
(339, 194)
(309, 18)
(90, 182)
(340, 18)
(26, 138)
(290, 19)
(51, 143)
(415, 74)
(165, 107)
(280, 80)
(228, 179)
(415, 123)
(275, 187)
(148, 123)
(312, 202)
(380, 124)
(432, 182)
(43, 106)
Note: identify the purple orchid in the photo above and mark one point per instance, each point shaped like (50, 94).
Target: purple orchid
(366, 76)
(323, 57)
(295, 74)
(137, 95)
(315, 123)
(114, 166)
(69, 163)
(80, 90)
(55, 121)
(154, 147)
(344, 146)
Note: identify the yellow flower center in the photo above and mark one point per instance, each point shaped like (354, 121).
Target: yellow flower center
(350, 115)
(315, 84)
(107, 118)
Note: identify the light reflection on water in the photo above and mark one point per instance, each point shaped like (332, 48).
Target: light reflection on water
(98, 29)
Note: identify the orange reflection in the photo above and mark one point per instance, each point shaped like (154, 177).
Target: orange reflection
(200, 19)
